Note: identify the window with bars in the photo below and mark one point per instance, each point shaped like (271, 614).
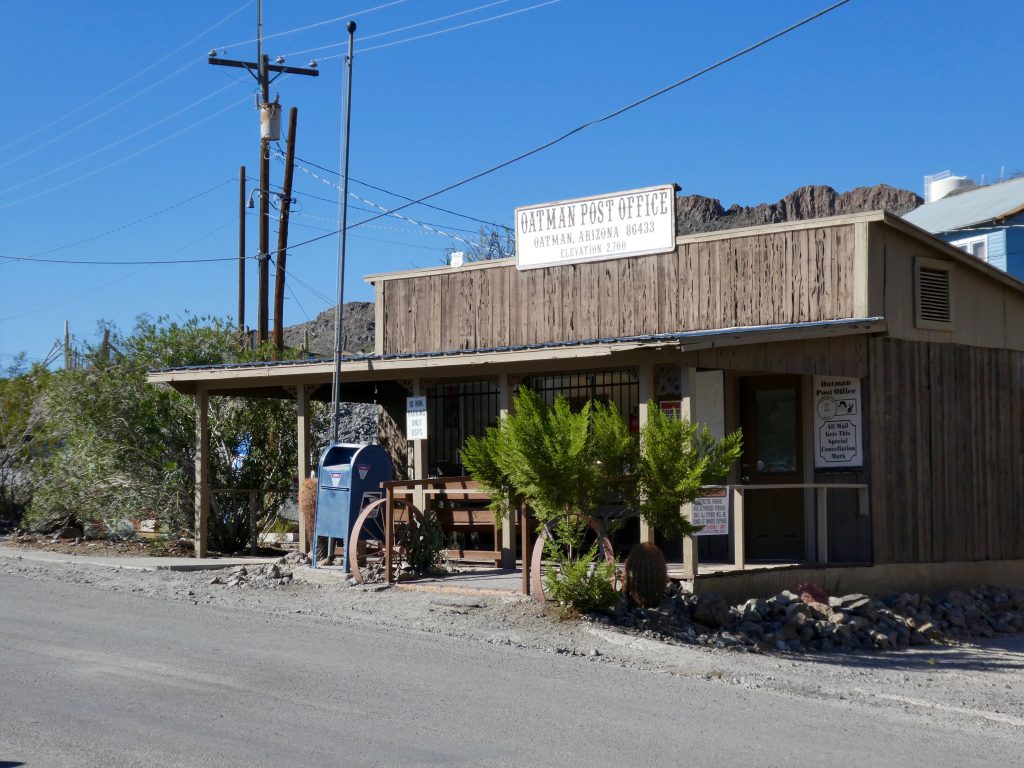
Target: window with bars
(456, 411)
(619, 387)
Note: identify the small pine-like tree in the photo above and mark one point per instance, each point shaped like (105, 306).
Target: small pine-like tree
(677, 460)
(565, 464)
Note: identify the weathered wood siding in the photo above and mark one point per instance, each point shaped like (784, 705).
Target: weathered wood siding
(712, 282)
(839, 356)
(947, 452)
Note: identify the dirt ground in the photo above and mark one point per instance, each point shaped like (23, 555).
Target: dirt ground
(141, 547)
(982, 683)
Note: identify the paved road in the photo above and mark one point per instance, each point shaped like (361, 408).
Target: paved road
(98, 678)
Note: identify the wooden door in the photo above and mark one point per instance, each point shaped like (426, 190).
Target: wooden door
(770, 414)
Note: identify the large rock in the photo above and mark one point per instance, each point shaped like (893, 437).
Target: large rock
(712, 610)
(357, 328)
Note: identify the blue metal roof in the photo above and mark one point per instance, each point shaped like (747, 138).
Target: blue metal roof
(969, 208)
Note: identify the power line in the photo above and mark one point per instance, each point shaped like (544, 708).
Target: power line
(124, 82)
(382, 208)
(312, 26)
(368, 210)
(100, 262)
(288, 286)
(34, 256)
(399, 29)
(122, 277)
(443, 31)
(374, 239)
(403, 197)
(188, 107)
(596, 121)
(127, 157)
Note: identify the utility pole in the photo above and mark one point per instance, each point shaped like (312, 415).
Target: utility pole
(269, 129)
(241, 255)
(282, 230)
(67, 345)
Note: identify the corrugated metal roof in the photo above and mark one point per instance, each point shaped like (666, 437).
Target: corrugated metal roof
(969, 208)
(864, 324)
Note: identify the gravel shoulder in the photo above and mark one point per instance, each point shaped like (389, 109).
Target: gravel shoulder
(977, 685)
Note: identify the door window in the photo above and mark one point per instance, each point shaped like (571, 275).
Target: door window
(776, 442)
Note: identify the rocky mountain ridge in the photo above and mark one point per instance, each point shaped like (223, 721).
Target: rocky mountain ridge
(697, 213)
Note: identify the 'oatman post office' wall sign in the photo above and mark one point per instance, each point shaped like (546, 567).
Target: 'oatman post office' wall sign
(633, 223)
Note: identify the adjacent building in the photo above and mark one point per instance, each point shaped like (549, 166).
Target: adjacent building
(986, 222)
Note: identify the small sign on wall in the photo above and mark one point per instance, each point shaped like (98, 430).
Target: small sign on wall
(712, 511)
(415, 418)
(838, 424)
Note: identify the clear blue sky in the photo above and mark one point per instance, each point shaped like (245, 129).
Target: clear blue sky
(875, 92)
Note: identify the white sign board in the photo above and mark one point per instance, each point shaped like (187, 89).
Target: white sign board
(838, 432)
(415, 418)
(632, 223)
(712, 511)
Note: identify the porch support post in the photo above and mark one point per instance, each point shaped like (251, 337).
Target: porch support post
(202, 492)
(508, 526)
(688, 411)
(302, 449)
(418, 456)
(645, 379)
(739, 543)
(822, 523)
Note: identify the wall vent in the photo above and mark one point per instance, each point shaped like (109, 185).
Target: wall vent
(933, 294)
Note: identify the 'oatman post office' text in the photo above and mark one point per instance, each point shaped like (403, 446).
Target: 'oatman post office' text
(633, 223)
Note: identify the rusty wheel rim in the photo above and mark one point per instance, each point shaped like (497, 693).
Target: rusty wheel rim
(369, 535)
(537, 558)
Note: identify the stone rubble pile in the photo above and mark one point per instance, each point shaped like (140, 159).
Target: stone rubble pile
(270, 575)
(790, 622)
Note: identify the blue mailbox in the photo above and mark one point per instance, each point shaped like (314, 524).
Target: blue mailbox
(349, 478)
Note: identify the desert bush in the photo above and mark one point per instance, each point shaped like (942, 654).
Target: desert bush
(425, 546)
(307, 506)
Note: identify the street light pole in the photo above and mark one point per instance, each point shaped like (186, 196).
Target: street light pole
(339, 314)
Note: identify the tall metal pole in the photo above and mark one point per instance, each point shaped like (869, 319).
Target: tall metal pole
(241, 255)
(282, 231)
(343, 216)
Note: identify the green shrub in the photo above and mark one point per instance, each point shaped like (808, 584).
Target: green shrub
(582, 583)
(425, 545)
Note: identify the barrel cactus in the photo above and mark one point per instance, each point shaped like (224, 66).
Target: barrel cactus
(646, 575)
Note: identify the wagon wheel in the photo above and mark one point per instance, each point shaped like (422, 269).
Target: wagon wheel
(367, 547)
(537, 560)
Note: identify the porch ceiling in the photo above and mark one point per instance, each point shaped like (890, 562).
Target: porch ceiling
(361, 374)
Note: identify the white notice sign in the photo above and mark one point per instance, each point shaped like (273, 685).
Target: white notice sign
(838, 433)
(632, 223)
(712, 511)
(415, 418)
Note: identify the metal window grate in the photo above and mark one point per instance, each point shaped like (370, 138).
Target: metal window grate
(456, 411)
(619, 387)
(933, 304)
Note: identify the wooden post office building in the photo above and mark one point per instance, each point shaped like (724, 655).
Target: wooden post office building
(877, 374)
